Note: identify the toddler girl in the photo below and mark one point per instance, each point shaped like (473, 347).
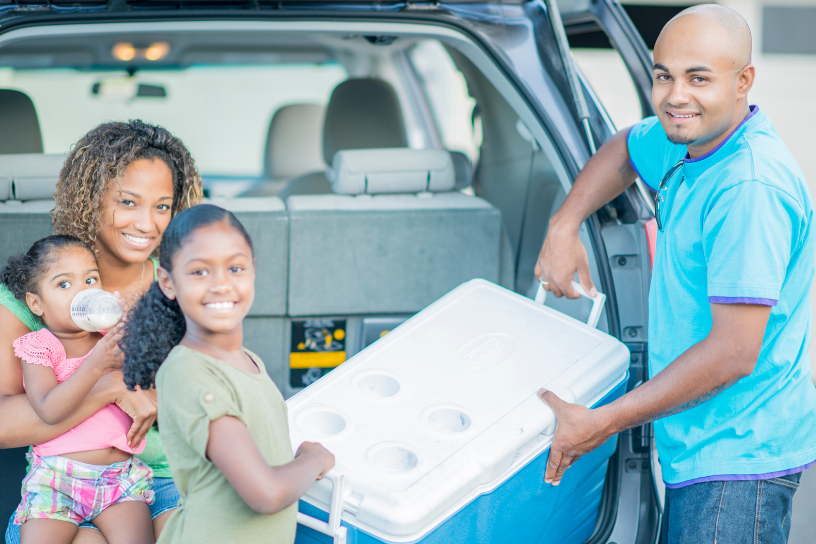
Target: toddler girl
(221, 419)
(88, 473)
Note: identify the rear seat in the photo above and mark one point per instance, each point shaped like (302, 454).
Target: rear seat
(393, 238)
(27, 182)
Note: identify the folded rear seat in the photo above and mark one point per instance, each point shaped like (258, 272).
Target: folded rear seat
(27, 182)
(393, 238)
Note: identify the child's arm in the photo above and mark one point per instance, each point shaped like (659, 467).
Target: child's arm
(54, 402)
(265, 489)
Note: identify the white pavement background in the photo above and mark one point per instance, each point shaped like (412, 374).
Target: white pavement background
(785, 89)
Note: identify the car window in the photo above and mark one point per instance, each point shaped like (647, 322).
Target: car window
(447, 93)
(606, 73)
(222, 113)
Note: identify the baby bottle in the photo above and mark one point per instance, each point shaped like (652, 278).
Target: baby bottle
(95, 309)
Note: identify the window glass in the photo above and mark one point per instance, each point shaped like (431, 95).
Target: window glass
(447, 93)
(221, 113)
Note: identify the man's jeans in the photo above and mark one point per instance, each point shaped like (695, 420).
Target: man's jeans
(733, 512)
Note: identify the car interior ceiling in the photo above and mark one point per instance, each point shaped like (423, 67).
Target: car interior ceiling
(372, 109)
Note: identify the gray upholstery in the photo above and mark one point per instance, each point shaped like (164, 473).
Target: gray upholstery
(29, 176)
(315, 183)
(362, 114)
(22, 224)
(266, 221)
(295, 140)
(19, 126)
(266, 336)
(463, 167)
(387, 254)
(379, 171)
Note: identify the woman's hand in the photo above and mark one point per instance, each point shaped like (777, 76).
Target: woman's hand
(141, 405)
(107, 356)
(313, 448)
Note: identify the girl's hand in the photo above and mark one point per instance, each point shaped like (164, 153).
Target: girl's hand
(106, 355)
(142, 406)
(313, 448)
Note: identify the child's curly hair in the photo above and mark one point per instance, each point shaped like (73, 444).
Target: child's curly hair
(102, 156)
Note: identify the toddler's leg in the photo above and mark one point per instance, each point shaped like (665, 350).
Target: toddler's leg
(55, 531)
(126, 522)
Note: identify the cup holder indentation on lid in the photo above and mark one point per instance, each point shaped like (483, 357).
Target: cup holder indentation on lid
(378, 385)
(393, 457)
(449, 419)
(322, 421)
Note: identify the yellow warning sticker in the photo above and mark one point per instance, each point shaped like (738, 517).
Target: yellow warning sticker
(329, 359)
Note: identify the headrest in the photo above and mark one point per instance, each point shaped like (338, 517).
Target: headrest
(29, 176)
(19, 127)
(378, 171)
(363, 114)
(293, 146)
(463, 168)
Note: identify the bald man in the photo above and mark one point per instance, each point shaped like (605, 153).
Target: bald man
(730, 390)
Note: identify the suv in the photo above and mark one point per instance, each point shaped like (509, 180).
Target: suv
(267, 93)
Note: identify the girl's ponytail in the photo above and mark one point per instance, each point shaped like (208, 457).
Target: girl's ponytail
(154, 327)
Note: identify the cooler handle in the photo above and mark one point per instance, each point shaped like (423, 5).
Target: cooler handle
(597, 301)
(333, 527)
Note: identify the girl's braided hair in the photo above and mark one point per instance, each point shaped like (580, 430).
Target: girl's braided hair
(102, 156)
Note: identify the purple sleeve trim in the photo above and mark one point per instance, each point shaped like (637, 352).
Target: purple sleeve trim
(743, 300)
(741, 477)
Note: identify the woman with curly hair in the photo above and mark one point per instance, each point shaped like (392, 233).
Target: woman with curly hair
(120, 186)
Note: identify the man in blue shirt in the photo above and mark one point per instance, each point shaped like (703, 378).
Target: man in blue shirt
(730, 390)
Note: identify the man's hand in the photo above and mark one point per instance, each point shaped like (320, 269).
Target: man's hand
(562, 256)
(607, 174)
(578, 432)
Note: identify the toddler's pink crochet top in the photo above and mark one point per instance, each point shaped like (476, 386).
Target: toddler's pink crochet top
(108, 427)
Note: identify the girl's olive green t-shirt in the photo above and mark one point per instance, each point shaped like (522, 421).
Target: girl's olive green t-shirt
(195, 389)
(153, 453)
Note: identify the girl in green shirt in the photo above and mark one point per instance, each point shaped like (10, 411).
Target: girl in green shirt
(222, 419)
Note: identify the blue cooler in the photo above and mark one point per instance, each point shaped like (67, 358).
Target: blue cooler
(439, 434)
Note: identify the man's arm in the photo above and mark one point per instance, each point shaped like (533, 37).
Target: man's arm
(728, 353)
(607, 174)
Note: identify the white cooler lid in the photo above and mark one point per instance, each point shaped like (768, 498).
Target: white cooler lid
(445, 407)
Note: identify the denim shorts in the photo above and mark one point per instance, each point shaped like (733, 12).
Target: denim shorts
(166, 494)
(732, 512)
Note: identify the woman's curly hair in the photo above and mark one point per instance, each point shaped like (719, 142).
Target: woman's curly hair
(156, 324)
(102, 156)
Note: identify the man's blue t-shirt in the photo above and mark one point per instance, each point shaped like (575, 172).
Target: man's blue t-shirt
(738, 228)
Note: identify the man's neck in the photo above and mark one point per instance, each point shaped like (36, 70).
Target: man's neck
(696, 151)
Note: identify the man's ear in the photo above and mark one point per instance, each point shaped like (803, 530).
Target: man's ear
(34, 303)
(165, 282)
(745, 80)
